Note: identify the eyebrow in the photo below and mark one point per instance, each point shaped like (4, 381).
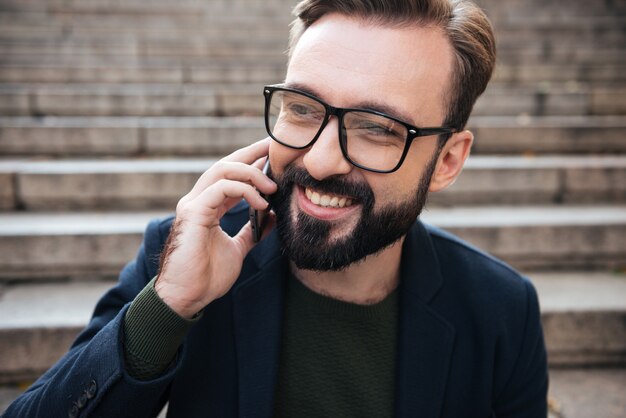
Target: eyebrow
(365, 105)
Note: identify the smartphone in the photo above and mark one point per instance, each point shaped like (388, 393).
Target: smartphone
(258, 217)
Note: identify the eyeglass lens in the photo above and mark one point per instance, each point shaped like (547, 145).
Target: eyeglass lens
(370, 140)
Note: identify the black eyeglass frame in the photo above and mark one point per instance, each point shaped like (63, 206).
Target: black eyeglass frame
(412, 131)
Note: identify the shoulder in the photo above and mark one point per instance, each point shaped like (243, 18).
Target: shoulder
(457, 255)
(480, 279)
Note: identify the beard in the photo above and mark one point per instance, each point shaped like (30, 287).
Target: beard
(306, 240)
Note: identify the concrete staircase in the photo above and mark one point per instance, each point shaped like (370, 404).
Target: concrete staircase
(110, 110)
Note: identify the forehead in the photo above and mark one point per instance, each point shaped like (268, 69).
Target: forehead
(349, 61)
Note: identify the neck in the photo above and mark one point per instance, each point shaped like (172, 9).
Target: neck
(366, 282)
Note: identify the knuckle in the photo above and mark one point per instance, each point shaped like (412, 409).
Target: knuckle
(183, 209)
(218, 166)
(220, 184)
(181, 205)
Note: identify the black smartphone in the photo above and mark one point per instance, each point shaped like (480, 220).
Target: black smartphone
(258, 217)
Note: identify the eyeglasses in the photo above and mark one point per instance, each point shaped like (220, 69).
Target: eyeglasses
(368, 139)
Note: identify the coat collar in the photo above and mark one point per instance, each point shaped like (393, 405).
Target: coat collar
(425, 339)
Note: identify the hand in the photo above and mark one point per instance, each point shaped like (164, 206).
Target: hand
(200, 262)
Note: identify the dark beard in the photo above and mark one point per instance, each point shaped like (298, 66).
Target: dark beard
(306, 241)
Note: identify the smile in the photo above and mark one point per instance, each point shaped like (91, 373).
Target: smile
(325, 206)
(327, 200)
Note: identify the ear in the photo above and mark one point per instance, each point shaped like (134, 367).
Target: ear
(451, 160)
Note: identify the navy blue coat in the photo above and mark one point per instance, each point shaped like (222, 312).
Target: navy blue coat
(470, 341)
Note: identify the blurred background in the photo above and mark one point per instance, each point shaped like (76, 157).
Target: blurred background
(110, 110)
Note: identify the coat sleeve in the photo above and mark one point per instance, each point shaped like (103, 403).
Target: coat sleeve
(90, 380)
(525, 394)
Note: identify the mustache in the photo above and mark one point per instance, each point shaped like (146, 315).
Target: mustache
(333, 185)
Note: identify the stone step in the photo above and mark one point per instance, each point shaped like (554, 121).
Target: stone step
(193, 136)
(190, 14)
(206, 47)
(226, 26)
(140, 99)
(549, 98)
(105, 36)
(231, 57)
(587, 392)
(538, 53)
(544, 10)
(127, 136)
(147, 27)
(150, 26)
(102, 184)
(563, 35)
(255, 43)
(530, 60)
(542, 237)
(77, 245)
(256, 65)
(56, 245)
(187, 8)
(236, 100)
(604, 27)
(160, 183)
(38, 323)
(225, 71)
(548, 134)
(584, 316)
(503, 13)
(489, 180)
(510, 9)
(587, 72)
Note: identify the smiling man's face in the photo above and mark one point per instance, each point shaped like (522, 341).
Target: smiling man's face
(330, 213)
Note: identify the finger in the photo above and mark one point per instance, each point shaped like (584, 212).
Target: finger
(244, 240)
(251, 153)
(259, 163)
(213, 201)
(233, 171)
(245, 156)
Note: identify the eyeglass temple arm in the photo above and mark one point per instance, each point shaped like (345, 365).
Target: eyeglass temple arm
(435, 131)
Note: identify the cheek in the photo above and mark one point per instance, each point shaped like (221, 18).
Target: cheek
(388, 194)
(281, 156)
(386, 188)
(398, 186)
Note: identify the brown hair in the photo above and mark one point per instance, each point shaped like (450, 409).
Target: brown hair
(466, 25)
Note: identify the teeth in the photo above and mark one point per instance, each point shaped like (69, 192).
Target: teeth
(327, 200)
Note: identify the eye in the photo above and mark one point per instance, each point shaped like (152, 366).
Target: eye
(300, 109)
(301, 112)
(371, 128)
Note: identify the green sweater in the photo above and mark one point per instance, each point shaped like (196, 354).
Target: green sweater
(338, 358)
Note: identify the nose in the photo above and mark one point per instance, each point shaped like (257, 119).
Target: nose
(324, 158)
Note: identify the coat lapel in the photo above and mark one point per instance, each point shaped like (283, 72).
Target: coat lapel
(258, 310)
(426, 339)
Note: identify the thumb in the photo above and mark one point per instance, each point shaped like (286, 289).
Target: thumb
(244, 240)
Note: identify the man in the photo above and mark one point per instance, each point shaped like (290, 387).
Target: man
(348, 306)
